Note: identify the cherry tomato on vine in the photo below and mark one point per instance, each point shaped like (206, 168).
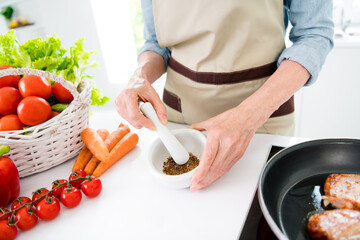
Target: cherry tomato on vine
(25, 218)
(75, 175)
(71, 197)
(19, 202)
(3, 214)
(9, 100)
(9, 81)
(48, 208)
(58, 190)
(61, 93)
(10, 122)
(8, 231)
(38, 195)
(33, 110)
(91, 188)
(31, 85)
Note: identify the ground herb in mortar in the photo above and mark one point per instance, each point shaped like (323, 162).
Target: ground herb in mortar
(172, 168)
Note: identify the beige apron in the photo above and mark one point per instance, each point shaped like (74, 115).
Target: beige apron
(221, 53)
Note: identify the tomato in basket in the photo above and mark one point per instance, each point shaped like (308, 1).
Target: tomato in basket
(31, 85)
(9, 99)
(61, 93)
(11, 122)
(9, 81)
(33, 110)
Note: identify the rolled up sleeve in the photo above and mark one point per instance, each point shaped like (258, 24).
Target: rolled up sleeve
(311, 34)
(151, 43)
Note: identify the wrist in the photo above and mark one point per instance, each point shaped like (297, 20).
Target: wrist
(150, 66)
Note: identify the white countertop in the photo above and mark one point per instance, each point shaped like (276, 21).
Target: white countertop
(132, 205)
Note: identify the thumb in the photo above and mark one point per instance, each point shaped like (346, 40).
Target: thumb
(200, 126)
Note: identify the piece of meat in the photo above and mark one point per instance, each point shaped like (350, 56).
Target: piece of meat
(342, 191)
(335, 224)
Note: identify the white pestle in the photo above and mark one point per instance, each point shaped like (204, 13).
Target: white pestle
(174, 147)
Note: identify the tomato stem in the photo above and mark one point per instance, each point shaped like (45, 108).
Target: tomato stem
(12, 212)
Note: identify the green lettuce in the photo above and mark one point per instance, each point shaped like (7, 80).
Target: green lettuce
(49, 55)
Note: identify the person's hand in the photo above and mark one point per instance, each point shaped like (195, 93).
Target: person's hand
(127, 103)
(228, 136)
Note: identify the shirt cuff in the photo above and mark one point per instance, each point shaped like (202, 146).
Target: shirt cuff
(311, 61)
(154, 47)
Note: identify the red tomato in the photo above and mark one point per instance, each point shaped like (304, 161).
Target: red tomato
(57, 192)
(9, 181)
(19, 202)
(33, 110)
(9, 81)
(25, 218)
(10, 123)
(4, 214)
(61, 93)
(71, 197)
(91, 188)
(31, 85)
(48, 208)
(75, 175)
(38, 195)
(54, 114)
(7, 231)
(9, 99)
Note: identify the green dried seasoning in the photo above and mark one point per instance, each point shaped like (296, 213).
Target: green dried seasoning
(170, 167)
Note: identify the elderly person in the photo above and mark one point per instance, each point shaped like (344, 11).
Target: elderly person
(228, 71)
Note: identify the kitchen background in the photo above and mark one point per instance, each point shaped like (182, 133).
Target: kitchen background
(329, 108)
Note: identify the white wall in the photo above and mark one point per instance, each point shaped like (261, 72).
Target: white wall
(331, 107)
(105, 24)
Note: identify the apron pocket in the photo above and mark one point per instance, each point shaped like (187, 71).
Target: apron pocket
(172, 100)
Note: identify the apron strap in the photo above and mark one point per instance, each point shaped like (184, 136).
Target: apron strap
(218, 78)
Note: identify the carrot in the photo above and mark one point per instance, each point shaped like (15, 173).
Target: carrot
(85, 154)
(95, 144)
(127, 143)
(110, 142)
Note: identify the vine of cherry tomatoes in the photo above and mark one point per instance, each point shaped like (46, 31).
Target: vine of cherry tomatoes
(25, 213)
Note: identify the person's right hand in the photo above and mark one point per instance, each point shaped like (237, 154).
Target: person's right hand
(127, 103)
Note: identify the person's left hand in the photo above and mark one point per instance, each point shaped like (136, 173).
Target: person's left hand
(229, 134)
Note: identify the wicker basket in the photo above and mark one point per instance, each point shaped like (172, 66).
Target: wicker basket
(55, 141)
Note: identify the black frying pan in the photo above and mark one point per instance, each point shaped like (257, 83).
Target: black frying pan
(291, 183)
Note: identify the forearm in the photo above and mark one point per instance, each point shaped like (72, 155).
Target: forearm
(150, 66)
(287, 79)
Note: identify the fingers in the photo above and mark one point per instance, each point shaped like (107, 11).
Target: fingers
(206, 161)
(160, 109)
(215, 163)
(200, 126)
(127, 103)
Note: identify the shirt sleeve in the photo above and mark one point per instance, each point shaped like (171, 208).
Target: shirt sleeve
(312, 34)
(151, 43)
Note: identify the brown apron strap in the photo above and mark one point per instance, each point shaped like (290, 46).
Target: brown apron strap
(218, 78)
(286, 108)
(174, 102)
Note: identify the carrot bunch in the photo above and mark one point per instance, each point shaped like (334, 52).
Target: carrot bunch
(102, 149)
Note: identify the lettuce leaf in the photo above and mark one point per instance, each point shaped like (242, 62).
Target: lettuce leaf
(48, 54)
(11, 52)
